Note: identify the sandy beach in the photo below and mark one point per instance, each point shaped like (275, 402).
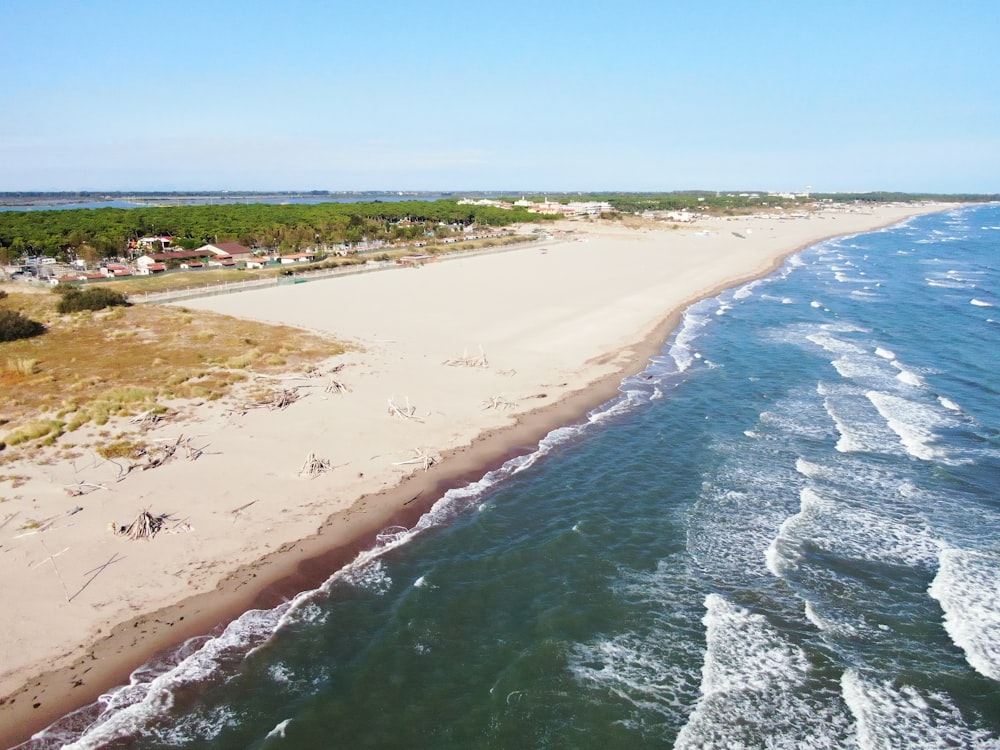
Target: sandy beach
(455, 366)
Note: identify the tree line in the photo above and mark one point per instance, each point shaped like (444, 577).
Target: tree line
(711, 201)
(106, 232)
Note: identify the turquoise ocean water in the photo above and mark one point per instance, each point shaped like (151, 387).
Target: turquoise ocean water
(785, 533)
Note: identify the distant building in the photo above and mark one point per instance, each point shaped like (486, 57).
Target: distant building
(234, 250)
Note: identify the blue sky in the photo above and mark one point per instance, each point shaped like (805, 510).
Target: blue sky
(442, 95)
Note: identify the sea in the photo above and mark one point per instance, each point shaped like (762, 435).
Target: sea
(783, 533)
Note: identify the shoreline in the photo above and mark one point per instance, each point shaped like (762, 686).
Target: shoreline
(299, 565)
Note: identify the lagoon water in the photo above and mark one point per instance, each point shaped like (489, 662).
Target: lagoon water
(785, 533)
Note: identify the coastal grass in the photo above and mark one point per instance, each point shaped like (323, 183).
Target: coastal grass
(93, 366)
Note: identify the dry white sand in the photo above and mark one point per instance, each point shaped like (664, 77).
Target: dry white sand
(550, 320)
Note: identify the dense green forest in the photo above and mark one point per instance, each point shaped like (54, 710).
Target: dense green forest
(106, 232)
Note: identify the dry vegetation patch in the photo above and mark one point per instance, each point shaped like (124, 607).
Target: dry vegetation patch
(91, 366)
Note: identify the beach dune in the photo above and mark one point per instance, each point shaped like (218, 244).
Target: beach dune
(454, 365)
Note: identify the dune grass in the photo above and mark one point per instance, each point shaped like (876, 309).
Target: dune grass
(92, 366)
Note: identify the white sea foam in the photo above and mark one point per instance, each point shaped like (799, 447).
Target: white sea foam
(834, 344)
(279, 730)
(885, 353)
(751, 672)
(891, 716)
(127, 710)
(859, 367)
(908, 376)
(980, 303)
(913, 422)
(747, 289)
(639, 670)
(373, 577)
(947, 403)
(968, 588)
(860, 428)
(810, 469)
(681, 348)
(815, 304)
(945, 283)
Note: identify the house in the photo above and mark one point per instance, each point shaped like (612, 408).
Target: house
(234, 250)
(115, 270)
(298, 258)
(146, 243)
(147, 269)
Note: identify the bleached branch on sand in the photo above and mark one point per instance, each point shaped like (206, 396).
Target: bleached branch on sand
(147, 419)
(314, 466)
(156, 457)
(403, 412)
(420, 457)
(498, 402)
(466, 361)
(82, 488)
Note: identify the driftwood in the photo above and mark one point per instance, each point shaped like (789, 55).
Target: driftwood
(147, 419)
(498, 402)
(466, 361)
(278, 399)
(420, 457)
(159, 456)
(335, 386)
(82, 488)
(407, 412)
(145, 526)
(314, 466)
(96, 572)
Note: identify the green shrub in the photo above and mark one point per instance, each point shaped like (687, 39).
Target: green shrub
(75, 300)
(14, 326)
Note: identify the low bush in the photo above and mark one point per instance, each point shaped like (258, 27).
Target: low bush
(14, 326)
(98, 298)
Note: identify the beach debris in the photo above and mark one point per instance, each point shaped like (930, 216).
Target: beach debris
(507, 373)
(144, 526)
(314, 466)
(158, 456)
(147, 419)
(236, 511)
(335, 386)
(82, 488)
(93, 573)
(466, 361)
(403, 412)
(419, 457)
(498, 402)
(277, 399)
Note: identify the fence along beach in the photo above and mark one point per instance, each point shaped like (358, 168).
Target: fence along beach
(455, 366)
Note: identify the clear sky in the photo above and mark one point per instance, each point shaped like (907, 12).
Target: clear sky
(554, 95)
